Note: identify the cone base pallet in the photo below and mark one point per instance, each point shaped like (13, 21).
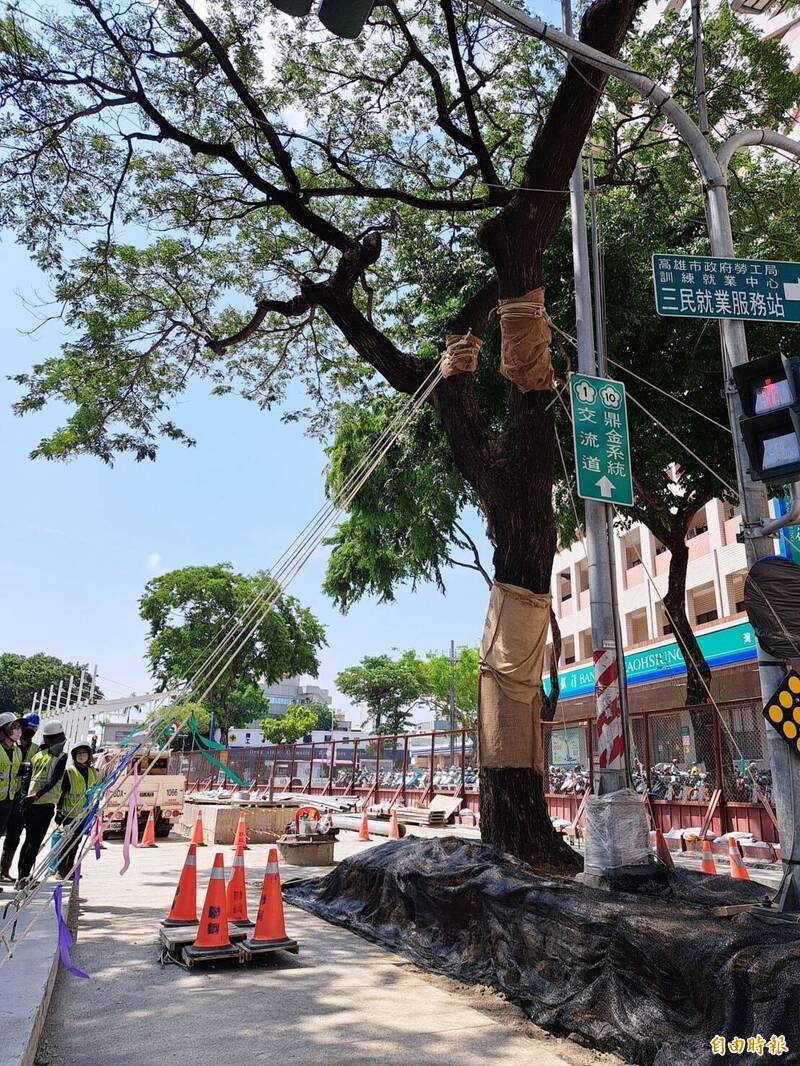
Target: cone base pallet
(246, 925)
(193, 956)
(183, 936)
(251, 948)
(177, 923)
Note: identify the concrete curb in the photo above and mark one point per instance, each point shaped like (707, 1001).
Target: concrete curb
(29, 978)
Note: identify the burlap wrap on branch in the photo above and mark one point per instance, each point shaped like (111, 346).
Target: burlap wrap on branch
(511, 656)
(461, 354)
(525, 342)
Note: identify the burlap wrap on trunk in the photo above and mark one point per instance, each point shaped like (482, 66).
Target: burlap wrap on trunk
(461, 354)
(511, 655)
(525, 342)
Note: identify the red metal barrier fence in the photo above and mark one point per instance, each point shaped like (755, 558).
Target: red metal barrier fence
(691, 763)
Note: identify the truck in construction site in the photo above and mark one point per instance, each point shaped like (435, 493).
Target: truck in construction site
(159, 791)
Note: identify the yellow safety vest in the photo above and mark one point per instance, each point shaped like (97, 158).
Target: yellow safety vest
(73, 806)
(10, 762)
(42, 767)
(32, 750)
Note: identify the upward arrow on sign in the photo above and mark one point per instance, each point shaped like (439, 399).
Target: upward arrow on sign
(606, 487)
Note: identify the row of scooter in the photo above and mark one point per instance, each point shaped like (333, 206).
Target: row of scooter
(445, 779)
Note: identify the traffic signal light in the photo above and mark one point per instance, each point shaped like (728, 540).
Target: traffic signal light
(769, 390)
(344, 18)
(783, 710)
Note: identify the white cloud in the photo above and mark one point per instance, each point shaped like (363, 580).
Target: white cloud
(153, 561)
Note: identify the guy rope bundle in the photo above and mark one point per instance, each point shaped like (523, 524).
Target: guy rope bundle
(212, 668)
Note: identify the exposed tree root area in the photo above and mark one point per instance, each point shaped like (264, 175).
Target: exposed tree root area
(651, 977)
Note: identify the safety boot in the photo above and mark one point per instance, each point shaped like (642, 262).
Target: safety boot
(5, 871)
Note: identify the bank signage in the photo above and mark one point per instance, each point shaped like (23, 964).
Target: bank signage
(731, 644)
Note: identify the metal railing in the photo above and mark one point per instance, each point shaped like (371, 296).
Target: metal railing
(685, 763)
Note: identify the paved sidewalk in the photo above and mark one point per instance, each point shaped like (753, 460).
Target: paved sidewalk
(341, 1000)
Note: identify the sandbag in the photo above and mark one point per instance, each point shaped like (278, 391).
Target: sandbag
(509, 678)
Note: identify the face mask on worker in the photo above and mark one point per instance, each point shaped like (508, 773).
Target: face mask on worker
(56, 749)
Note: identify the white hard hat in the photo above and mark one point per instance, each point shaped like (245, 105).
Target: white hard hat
(7, 718)
(52, 729)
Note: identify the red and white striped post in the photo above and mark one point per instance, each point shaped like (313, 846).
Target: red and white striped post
(609, 722)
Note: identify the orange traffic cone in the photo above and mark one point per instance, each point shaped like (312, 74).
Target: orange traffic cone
(184, 905)
(708, 866)
(197, 833)
(236, 893)
(662, 851)
(240, 837)
(363, 833)
(394, 828)
(270, 931)
(149, 836)
(212, 940)
(738, 868)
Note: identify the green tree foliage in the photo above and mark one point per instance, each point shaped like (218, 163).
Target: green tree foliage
(440, 673)
(188, 611)
(219, 238)
(650, 200)
(23, 676)
(299, 720)
(387, 687)
(323, 712)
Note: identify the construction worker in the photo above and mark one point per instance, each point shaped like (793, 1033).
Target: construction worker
(47, 776)
(16, 823)
(10, 762)
(73, 806)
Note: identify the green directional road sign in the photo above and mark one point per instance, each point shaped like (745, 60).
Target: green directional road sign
(757, 290)
(602, 441)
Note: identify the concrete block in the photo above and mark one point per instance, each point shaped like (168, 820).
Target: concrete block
(264, 824)
(28, 980)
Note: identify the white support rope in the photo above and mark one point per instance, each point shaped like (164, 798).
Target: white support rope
(275, 584)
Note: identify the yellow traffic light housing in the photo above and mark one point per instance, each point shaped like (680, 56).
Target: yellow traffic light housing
(782, 711)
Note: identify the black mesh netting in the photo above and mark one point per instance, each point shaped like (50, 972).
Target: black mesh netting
(651, 978)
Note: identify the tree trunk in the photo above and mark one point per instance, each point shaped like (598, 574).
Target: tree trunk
(514, 815)
(698, 672)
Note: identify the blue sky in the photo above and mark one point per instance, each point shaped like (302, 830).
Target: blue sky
(79, 540)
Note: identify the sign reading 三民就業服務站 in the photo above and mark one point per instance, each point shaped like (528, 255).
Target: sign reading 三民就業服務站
(754, 290)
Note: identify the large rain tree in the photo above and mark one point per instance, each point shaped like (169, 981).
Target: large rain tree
(233, 197)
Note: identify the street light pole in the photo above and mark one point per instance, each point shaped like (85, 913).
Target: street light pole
(610, 772)
(785, 766)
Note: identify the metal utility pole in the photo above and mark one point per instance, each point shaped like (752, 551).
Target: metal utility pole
(757, 528)
(453, 714)
(610, 773)
(699, 69)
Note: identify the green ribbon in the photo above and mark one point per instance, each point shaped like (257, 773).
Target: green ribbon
(212, 745)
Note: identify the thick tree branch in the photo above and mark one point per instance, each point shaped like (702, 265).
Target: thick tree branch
(282, 157)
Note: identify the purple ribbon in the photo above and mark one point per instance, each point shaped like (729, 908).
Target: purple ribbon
(132, 825)
(76, 876)
(65, 941)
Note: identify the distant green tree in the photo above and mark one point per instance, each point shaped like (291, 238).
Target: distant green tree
(323, 712)
(190, 610)
(440, 673)
(387, 687)
(22, 676)
(299, 720)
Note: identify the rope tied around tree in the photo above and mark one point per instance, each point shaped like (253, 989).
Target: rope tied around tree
(461, 354)
(511, 657)
(525, 342)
